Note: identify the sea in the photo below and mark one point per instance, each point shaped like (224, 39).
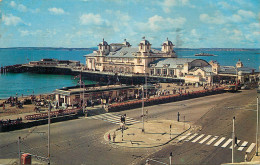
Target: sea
(17, 84)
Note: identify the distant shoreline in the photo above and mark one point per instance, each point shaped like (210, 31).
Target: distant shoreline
(95, 48)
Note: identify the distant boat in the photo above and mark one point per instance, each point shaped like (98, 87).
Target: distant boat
(205, 54)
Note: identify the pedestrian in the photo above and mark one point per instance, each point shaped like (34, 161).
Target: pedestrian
(246, 157)
(114, 137)
(109, 137)
(3, 106)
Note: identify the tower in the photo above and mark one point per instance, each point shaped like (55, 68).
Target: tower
(103, 48)
(167, 46)
(239, 64)
(144, 46)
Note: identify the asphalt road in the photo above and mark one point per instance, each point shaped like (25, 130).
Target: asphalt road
(81, 141)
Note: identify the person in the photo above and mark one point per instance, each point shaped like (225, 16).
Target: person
(114, 137)
(109, 137)
(246, 157)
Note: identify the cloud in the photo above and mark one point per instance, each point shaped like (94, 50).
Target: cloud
(91, 19)
(42, 33)
(158, 23)
(245, 13)
(13, 4)
(56, 11)
(226, 5)
(219, 18)
(11, 20)
(121, 20)
(167, 4)
(22, 8)
(19, 7)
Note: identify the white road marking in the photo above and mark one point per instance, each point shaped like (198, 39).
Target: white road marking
(113, 118)
(183, 137)
(191, 137)
(250, 148)
(234, 144)
(212, 140)
(198, 138)
(242, 146)
(227, 143)
(206, 138)
(218, 142)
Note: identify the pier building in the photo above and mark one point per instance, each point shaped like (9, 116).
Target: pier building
(122, 58)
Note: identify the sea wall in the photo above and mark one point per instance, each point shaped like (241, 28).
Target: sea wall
(22, 125)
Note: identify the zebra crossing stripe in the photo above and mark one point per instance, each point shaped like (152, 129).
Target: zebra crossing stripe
(212, 140)
(218, 142)
(206, 138)
(128, 119)
(242, 146)
(198, 138)
(191, 137)
(250, 148)
(235, 144)
(113, 118)
(119, 117)
(183, 137)
(227, 143)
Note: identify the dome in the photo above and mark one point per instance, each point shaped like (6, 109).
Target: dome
(126, 43)
(145, 42)
(103, 42)
(167, 42)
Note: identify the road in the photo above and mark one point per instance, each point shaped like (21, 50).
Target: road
(81, 141)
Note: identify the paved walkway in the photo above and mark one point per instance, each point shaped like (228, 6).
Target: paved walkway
(157, 133)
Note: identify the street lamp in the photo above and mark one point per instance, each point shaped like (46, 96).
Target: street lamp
(49, 132)
(143, 108)
(233, 141)
(257, 124)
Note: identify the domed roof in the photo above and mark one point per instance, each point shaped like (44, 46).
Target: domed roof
(103, 42)
(167, 42)
(144, 42)
(126, 43)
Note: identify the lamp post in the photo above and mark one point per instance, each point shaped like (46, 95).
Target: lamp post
(257, 124)
(49, 131)
(83, 109)
(19, 150)
(143, 108)
(233, 141)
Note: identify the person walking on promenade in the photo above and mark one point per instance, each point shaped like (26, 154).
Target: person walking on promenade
(114, 137)
(109, 137)
(246, 157)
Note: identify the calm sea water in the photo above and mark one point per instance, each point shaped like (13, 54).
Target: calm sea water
(27, 83)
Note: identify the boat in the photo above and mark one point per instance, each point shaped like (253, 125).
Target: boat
(205, 54)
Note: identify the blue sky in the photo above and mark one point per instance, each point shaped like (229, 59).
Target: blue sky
(83, 23)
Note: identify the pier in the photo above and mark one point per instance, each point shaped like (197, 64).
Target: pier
(106, 77)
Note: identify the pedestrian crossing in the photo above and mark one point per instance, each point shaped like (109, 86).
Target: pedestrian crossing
(217, 141)
(113, 118)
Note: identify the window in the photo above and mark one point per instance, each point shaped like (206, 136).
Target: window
(164, 71)
(158, 71)
(171, 72)
(152, 71)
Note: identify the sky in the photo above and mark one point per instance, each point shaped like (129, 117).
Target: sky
(84, 23)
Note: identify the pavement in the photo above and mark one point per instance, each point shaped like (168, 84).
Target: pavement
(156, 133)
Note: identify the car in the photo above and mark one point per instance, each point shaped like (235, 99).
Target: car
(244, 87)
